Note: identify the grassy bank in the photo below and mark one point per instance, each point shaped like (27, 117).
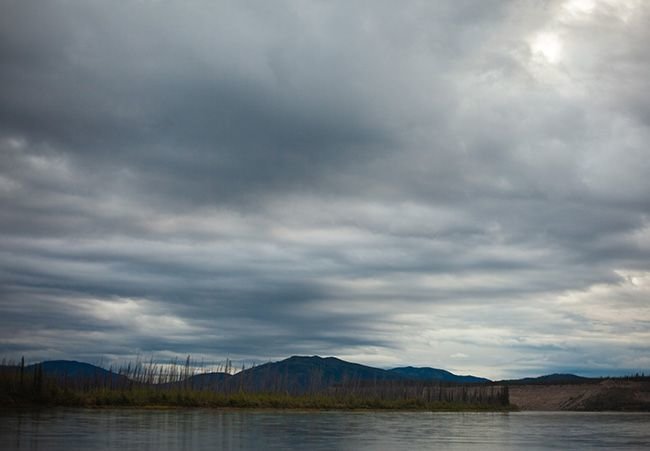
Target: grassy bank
(50, 393)
(164, 398)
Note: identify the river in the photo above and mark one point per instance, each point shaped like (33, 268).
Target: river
(202, 429)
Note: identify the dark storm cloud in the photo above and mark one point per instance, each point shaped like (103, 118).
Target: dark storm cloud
(461, 184)
(113, 88)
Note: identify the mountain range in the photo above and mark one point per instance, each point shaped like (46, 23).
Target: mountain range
(297, 374)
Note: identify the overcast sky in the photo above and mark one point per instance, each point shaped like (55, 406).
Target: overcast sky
(462, 184)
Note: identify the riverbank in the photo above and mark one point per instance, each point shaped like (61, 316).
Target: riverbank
(143, 398)
(607, 395)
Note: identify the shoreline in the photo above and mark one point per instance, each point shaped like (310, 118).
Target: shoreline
(162, 408)
(254, 409)
(312, 407)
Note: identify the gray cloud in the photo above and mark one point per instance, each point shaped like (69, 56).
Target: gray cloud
(393, 185)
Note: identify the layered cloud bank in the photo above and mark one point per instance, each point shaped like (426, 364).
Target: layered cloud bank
(456, 184)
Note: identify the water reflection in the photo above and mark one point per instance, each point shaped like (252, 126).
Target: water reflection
(196, 429)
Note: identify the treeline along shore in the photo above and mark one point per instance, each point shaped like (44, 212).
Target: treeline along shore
(308, 383)
(297, 382)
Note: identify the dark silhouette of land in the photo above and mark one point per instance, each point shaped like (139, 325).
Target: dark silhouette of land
(310, 382)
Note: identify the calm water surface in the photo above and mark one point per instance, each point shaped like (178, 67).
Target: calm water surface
(197, 429)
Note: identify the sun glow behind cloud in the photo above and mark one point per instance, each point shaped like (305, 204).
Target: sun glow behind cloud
(577, 7)
(548, 46)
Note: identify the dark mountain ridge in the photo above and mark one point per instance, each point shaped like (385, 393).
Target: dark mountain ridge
(74, 372)
(297, 374)
(435, 374)
(70, 368)
(301, 374)
(551, 379)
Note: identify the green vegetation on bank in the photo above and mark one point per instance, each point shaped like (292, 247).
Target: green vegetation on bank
(151, 397)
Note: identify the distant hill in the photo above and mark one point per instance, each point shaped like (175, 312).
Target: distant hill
(70, 368)
(78, 371)
(299, 374)
(208, 381)
(551, 379)
(434, 374)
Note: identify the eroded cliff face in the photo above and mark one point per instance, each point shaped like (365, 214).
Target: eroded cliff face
(616, 395)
